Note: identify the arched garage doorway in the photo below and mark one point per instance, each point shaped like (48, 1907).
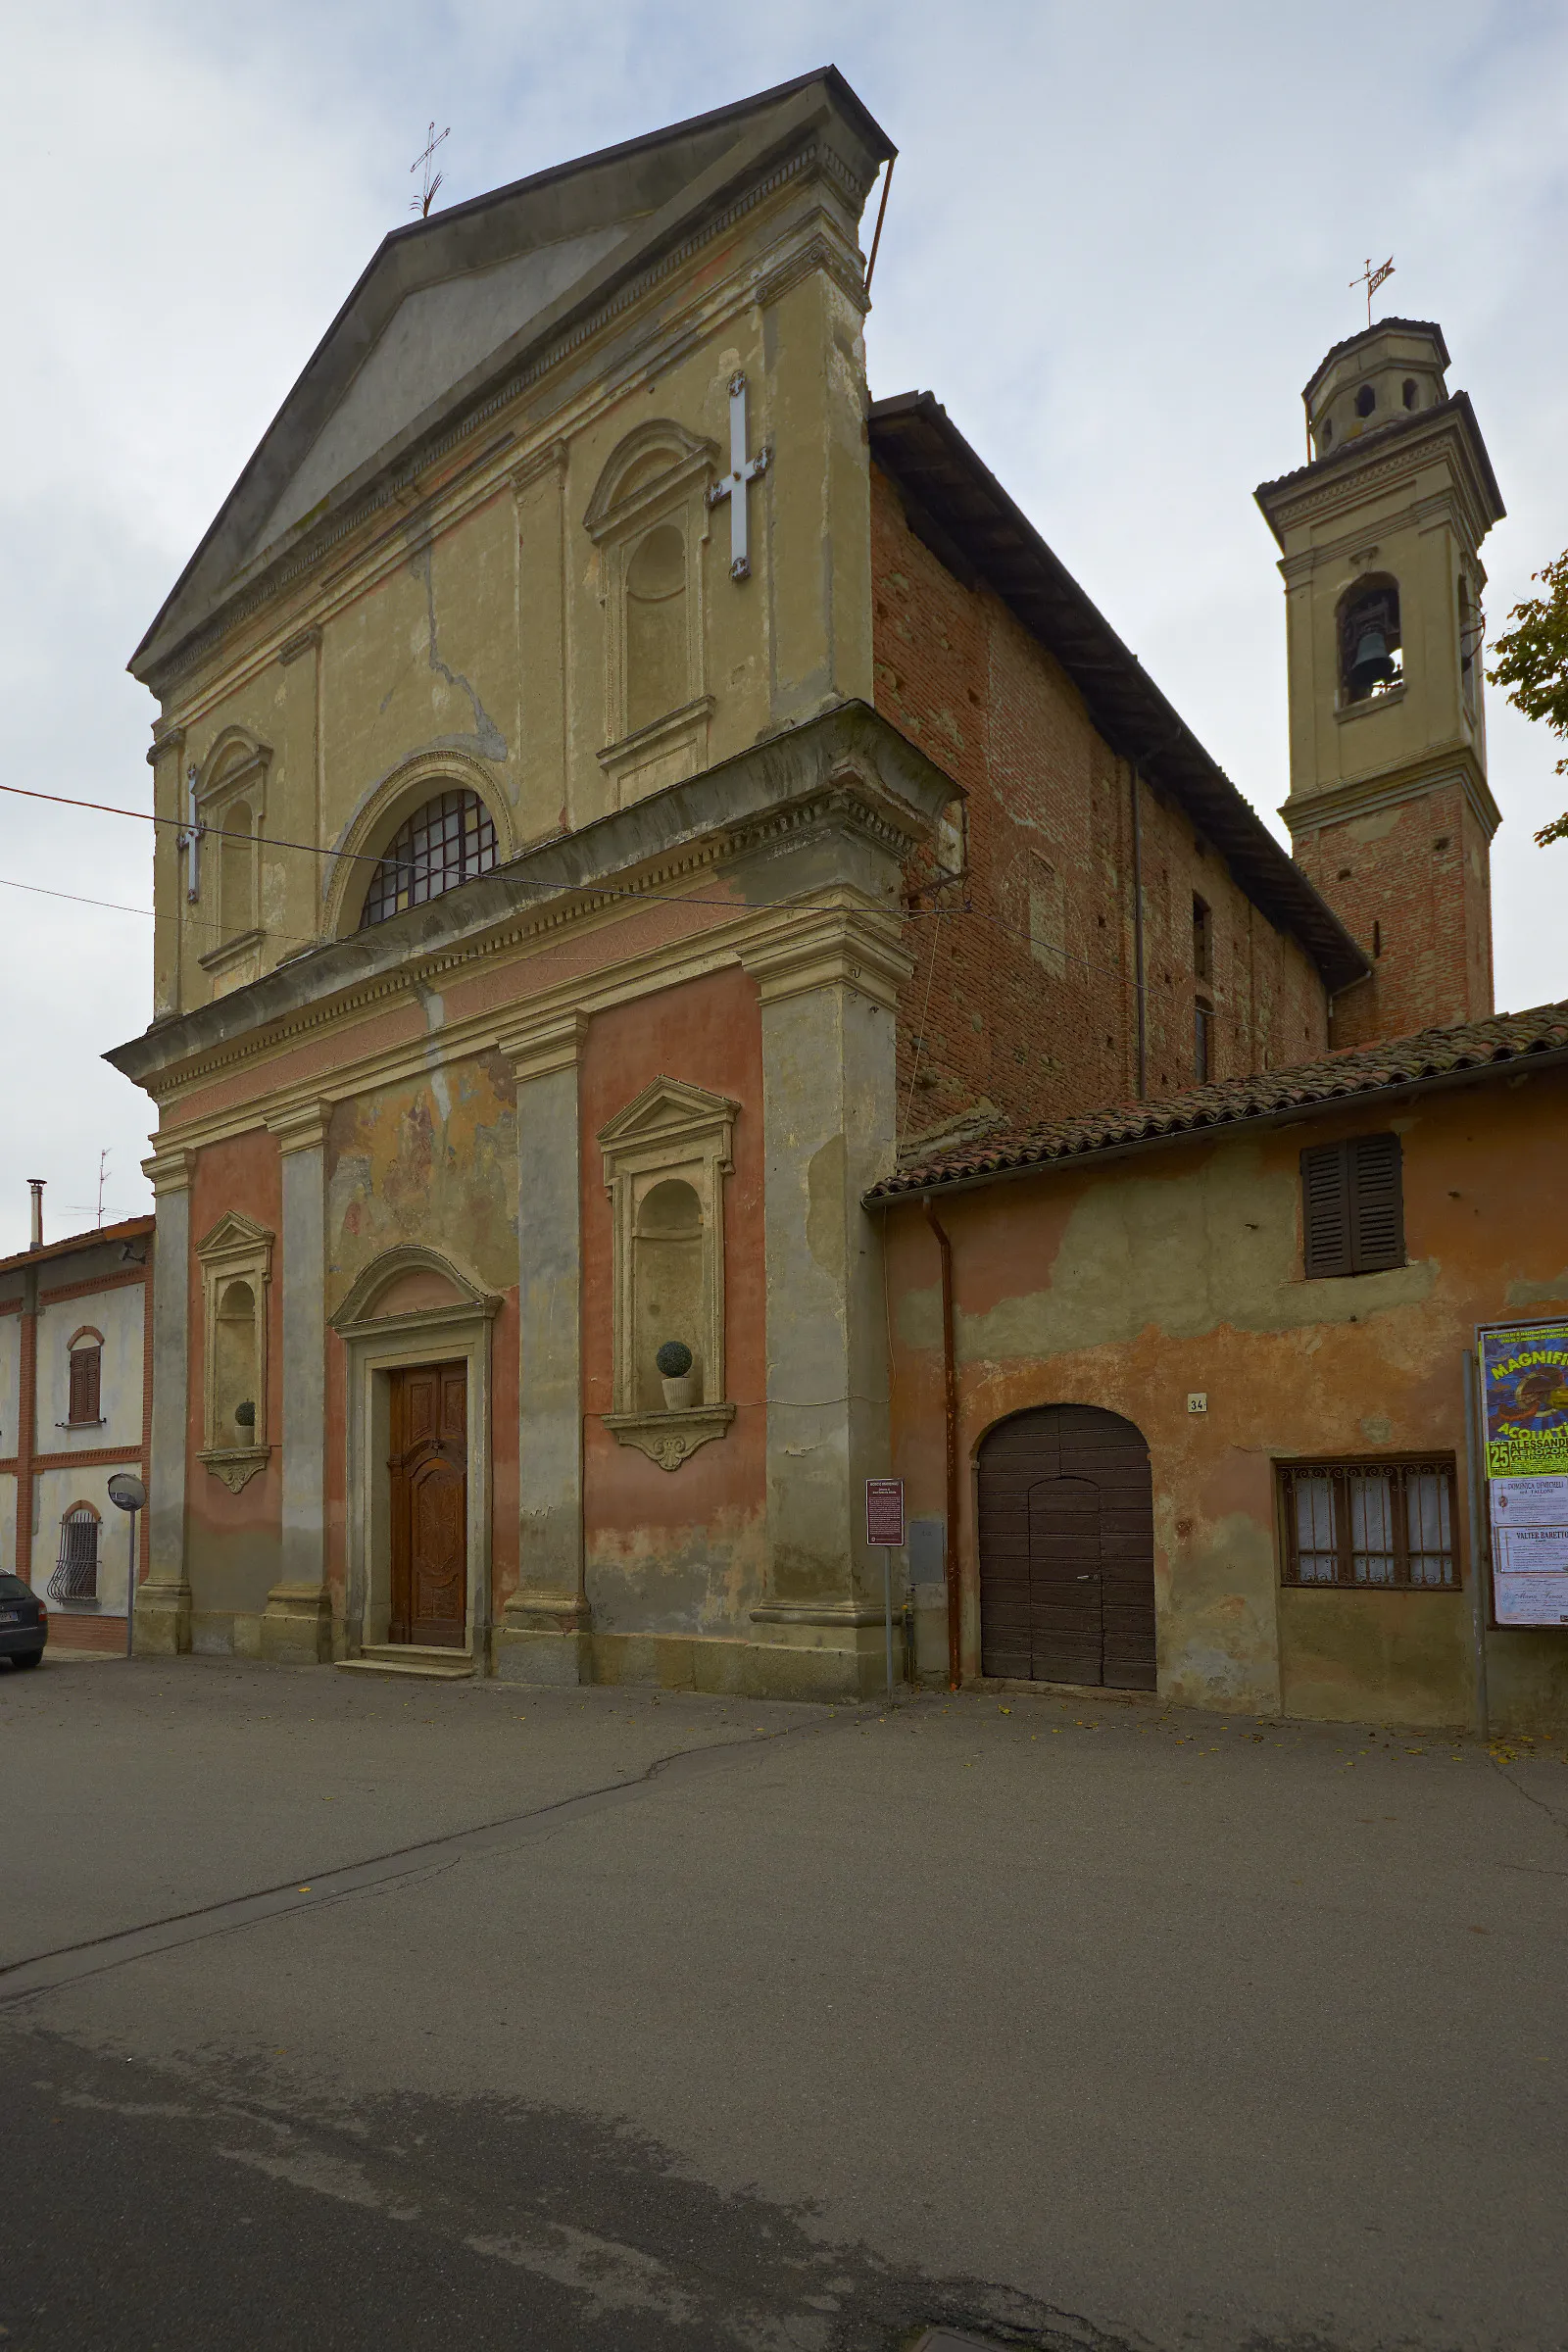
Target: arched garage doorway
(1068, 1549)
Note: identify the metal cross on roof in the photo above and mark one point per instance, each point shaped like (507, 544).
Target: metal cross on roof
(1373, 279)
(732, 485)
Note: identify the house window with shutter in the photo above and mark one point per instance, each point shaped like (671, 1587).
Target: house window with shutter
(1369, 1524)
(86, 1355)
(1352, 1206)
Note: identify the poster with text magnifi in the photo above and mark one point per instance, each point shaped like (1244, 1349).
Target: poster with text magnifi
(1524, 1395)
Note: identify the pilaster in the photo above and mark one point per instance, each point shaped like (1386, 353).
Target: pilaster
(544, 1632)
(827, 988)
(297, 1627)
(163, 1606)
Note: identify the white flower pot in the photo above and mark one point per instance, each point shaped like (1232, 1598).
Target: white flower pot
(681, 1394)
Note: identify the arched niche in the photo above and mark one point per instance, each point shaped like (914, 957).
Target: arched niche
(647, 518)
(236, 1259)
(231, 785)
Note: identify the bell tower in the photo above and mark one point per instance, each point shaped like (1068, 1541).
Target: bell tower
(1389, 812)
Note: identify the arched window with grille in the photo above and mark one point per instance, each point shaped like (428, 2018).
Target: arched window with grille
(449, 841)
(87, 1354)
(76, 1576)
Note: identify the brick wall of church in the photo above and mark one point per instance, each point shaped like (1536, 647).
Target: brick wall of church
(1023, 995)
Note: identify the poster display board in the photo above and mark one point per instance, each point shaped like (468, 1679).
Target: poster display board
(1524, 1402)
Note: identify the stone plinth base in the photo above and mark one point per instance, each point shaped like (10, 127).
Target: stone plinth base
(297, 1626)
(543, 1639)
(163, 1620)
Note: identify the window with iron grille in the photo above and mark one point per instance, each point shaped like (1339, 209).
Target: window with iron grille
(87, 1366)
(1352, 1206)
(1367, 1524)
(450, 840)
(76, 1576)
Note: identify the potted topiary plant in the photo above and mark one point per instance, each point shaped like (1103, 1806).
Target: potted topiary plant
(245, 1415)
(675, 1374)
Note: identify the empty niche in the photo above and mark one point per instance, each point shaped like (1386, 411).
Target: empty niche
(667, 1286)
(658, 663)
(235, 873)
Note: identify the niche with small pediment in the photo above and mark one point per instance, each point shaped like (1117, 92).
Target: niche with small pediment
(666, 1155)
(235, 1260)
(230, 803)
(648, 517)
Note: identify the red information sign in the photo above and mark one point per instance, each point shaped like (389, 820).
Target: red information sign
(884, 1511)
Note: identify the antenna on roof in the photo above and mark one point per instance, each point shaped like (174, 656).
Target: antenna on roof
(421, 203)
(1370, 278)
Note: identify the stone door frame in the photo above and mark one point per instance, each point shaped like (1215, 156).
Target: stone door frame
(374, 1347)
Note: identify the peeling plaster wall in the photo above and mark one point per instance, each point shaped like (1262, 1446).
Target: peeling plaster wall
(679, 1552)
(233, 1541)
(1135, 1284)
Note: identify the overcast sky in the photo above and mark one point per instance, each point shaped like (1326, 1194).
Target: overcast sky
(1119, 238)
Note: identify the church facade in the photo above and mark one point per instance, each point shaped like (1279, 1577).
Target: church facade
(623, 789)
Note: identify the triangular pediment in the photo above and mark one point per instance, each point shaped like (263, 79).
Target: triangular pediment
(450, 309)
(233, 1231)
(669, 1107)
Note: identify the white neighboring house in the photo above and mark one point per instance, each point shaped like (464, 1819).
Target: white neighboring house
(76, 1405)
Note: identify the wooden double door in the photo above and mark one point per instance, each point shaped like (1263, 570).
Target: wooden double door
(428, 1464)
(1068, 1549)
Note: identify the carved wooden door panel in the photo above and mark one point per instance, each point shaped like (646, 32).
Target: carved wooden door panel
(429, 1467)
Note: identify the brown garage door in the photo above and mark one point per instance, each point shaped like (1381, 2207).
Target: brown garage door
(1068, 1549)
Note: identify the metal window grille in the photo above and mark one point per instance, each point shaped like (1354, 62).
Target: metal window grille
(450, 840)
(76, 1576)
(85, 1365)
(1366, 1524)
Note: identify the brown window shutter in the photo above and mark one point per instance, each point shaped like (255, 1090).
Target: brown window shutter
(84, 1363)
(1377, 1204)
(1326, 1211)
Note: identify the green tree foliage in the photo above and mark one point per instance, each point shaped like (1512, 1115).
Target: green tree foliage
(1531, 661)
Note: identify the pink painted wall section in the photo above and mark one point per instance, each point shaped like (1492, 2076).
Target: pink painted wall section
(679, 1552)
(1176, 1272)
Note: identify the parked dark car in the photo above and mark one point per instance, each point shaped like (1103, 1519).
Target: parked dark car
(23, 1622)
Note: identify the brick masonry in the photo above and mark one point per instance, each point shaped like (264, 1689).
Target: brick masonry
(1023, 998)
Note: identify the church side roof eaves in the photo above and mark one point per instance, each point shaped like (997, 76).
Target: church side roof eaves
(1432, 1058)
(641, 182)
(969, 521)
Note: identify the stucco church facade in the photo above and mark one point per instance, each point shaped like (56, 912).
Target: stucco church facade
(622, 787)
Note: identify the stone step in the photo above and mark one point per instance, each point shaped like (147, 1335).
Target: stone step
(410, 1658)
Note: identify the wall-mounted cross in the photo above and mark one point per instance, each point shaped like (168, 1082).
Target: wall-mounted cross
(190, 841)
(732, 485)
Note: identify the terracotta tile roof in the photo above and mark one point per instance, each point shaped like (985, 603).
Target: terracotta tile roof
(1430, 1057)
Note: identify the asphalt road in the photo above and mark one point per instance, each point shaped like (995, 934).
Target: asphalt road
(335, 2013)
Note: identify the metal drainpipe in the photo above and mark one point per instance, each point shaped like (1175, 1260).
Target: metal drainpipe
(950, 1399)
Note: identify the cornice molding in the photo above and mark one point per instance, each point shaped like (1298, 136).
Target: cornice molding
(544, 1043)
(846, 771)
(1312, 812)
(834, 950)
(300, 1128)
(169, 1170)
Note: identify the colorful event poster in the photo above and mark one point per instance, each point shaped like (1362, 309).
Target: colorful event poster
(1524, 1390)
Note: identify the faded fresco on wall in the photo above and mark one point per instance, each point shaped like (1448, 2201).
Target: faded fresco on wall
(434, 1161)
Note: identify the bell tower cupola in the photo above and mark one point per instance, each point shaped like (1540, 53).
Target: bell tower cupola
(1389, 811)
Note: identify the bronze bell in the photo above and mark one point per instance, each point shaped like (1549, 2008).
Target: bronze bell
(1373, 665)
